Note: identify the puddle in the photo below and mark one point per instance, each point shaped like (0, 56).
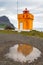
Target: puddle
(23, 53)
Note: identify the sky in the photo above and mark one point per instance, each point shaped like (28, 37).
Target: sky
(9, 8)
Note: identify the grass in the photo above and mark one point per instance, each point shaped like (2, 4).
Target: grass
(7, 32)
(31, 33)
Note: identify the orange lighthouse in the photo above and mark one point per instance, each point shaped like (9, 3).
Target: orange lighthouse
(25, 20)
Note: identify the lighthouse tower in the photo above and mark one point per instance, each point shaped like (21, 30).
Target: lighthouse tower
(25, 20)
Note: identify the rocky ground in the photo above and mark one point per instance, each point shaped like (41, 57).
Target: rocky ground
(8, 40)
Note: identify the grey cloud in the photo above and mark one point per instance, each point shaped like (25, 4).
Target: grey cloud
(34, 6)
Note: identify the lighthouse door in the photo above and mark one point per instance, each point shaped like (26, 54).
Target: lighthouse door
(21, 26)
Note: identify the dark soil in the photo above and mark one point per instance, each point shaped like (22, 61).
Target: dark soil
(8, 40)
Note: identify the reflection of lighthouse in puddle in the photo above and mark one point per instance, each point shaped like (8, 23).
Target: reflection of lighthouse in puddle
(23, 53)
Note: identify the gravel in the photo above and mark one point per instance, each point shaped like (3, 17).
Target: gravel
(8, 40)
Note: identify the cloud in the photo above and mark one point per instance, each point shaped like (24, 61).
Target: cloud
(9, 8)
(37, 25)
(2, 9)
(13, 19)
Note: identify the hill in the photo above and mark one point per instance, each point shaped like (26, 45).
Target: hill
(4, 21)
